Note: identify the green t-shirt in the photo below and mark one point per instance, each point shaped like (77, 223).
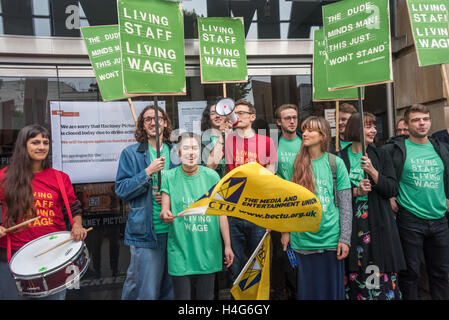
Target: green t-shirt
(194, 242)
(356, 173)
(328, 234)
(421, 187)
(344, 144)
(287, 151)
(159, 226)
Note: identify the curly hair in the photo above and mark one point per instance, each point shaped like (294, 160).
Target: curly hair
(141, 135)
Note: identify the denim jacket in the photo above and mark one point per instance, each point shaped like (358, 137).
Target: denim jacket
(132, 184)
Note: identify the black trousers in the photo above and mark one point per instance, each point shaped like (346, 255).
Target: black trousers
(194, 287)
(432, 237)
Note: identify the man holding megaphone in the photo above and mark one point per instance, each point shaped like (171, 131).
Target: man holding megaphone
(238, 148)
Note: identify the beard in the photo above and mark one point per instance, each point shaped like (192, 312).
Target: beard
(289, 131)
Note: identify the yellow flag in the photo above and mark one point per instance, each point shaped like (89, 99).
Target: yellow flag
(253, 193)
(253, 283)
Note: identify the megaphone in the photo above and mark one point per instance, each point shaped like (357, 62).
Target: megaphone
(225, 107)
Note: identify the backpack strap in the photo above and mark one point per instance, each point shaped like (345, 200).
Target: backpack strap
(333, 164)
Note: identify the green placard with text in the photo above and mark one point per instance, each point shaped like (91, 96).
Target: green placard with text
(103, 47)
(358, 46)
(152, 47)
(222, 50)
(430, 27)
(320, 91)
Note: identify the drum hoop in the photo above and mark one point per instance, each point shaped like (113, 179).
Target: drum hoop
(49, 271)
(60, 288)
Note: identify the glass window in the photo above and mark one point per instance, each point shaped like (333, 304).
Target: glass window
(41, 8)
(42, 27)
(270, 19)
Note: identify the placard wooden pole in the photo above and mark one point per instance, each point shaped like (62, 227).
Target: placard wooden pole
(362, 122)
(445, 78)
(158, 142)
(224, 90)
(337, 125)
(131, 106)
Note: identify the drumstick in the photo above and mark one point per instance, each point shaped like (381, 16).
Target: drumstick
(21, 224)
(59, 244)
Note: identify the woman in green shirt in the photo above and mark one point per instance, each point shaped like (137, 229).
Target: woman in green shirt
(320, 254)
(194, 246)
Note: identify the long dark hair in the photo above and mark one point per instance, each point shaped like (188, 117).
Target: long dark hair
(18, 176)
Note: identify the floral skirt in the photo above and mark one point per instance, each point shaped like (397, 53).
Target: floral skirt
(368, 283)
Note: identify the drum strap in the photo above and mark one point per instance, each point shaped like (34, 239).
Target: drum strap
(66, 203)
(64, 195)
(8, 248)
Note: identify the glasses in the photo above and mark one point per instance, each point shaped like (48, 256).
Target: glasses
(241, 113)
(152, 119)
(288, 119)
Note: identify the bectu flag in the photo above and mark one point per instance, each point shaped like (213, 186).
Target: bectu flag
(253, 282)
(253, 193)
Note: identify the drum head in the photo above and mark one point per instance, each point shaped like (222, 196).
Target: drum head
(24, 262)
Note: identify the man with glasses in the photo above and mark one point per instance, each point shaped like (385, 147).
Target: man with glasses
(136, 182)
(282, 274)
(243, 146)
(289, 140)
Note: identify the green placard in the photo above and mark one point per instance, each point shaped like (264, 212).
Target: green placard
(152, 43)
(430, 27)
(222, 50)
(103, 47)
(358, 45)
(320, 91)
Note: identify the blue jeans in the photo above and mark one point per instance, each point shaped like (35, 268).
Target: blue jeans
(245, 236)
(147, 276)
(8, 289)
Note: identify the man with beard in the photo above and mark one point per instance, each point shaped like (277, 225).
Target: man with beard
(345, 111)
(136, 182)
(422, 166)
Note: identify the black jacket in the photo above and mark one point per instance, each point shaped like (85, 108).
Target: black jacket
(396, 149)
(385, 242)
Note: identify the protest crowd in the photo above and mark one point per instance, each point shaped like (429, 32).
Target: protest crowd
(373, 232)
(235, 209)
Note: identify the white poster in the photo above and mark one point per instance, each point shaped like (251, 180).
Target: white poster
(189, 113)
(88, 137)
(329, 115)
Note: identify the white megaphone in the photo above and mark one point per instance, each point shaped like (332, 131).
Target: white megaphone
(225, 107)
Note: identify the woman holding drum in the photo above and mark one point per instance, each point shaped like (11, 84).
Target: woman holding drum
(29, 188)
